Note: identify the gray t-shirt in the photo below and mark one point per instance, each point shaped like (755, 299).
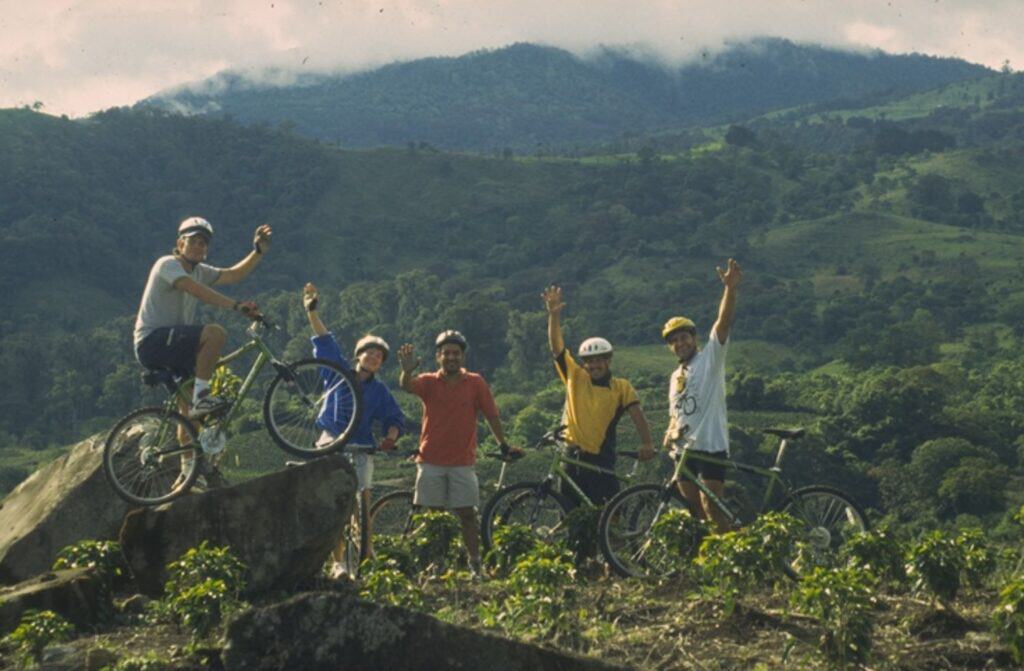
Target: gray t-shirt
(162, 304)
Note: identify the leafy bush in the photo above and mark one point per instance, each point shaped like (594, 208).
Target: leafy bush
(38, 629)
(737, 561)
(979, 557)
(104, 556)
(509, 544)
(1008, 618)
(205, 585)
(386, 583)
(840, 599)
(676, 538)
(147, 662)
(880, 552)
(391, 551)
(935, 564)
(581, 532)
(435, 539)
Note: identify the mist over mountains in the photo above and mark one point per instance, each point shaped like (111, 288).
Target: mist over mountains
(527, 95)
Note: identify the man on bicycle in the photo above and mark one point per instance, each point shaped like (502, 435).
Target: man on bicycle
(379, 404)
(594, 403)
(452, 397)
(167, 334)
(697, 396)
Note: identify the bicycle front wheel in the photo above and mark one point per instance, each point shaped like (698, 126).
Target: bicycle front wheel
(391, 515)
(531, 504)
(306, 397)
(624, 532)
(144, 460)
(828, 518)
(356, 537)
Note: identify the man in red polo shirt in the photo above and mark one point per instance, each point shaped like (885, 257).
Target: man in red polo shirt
(452, 397)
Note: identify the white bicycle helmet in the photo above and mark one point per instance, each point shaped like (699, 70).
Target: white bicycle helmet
(594, 347)
(195, 226)
(368, 341)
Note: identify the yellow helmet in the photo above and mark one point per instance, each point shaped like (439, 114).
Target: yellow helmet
(677, 324)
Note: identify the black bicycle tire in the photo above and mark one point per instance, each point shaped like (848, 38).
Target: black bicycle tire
(820, 489)
(522, 488)
(342, 438)
(108, 469)
(405, 496)
(607, 513)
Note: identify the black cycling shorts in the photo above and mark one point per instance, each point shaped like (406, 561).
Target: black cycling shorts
(706, 470)
(599, 487)
(171, 347)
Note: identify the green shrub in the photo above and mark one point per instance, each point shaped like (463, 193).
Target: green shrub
(435, 538)
(841, 600)
(205, 585)
(386, 583)
(678, 535)
(738, 561)
(391, 552)
(1008, 618)
(148, 662)
(38, 629)
(581, 532)
(935, 564)
(104, 556)
(509, 544)
(980, 559)
(880, 552)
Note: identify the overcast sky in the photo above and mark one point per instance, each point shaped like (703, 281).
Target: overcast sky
(79, 56)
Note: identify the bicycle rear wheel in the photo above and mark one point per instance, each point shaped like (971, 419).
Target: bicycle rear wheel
(143, 459)
(391, 514)
(828, 518)
(303, 397)
(356, 537)
(624, 532)
(532, 504)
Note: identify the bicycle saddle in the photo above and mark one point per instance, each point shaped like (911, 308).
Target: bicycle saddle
(151, 377)
(788, 434)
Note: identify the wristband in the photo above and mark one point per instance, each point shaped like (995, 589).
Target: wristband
(256, 247)
(312, 304)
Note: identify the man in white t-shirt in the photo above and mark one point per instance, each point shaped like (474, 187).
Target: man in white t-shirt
(696, 396)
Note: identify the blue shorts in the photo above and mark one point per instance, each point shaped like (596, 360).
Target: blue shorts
(171, 347)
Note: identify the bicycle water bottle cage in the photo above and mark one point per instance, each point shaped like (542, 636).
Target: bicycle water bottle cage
(151, 377)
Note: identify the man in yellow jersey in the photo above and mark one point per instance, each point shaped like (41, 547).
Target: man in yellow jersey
(594, 402)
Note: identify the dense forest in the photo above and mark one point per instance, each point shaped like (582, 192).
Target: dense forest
(881, 304)
(528, 97)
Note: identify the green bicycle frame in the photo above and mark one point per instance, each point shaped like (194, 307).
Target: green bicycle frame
(557, 470)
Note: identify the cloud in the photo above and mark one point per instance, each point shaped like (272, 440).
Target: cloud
(79, 56)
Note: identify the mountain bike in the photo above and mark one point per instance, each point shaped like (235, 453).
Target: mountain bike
(827, 516)
(154, 454)
(541, 505)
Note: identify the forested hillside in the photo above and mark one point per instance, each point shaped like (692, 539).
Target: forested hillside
(526, 97)
(881, 306)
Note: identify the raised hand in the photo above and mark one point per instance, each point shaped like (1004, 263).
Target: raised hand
(553, 299)
(732, 275)
(407, 358)
(261, 238)
(310, 297)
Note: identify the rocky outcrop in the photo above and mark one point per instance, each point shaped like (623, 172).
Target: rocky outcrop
(330, 631)
(66, 501)
(282, 525)
(76, 594)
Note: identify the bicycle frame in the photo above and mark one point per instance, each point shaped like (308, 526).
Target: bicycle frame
(772, 474)
(557, 471)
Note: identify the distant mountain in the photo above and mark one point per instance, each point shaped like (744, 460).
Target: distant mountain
(527, 95)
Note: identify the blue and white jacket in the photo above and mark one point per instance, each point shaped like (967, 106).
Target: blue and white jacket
(378, 403)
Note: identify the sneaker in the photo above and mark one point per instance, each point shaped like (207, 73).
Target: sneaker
(338, 571)
(207, 405)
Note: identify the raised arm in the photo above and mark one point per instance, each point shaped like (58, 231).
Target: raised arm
(409, 361)
(730, 277)
(241, 270)
(311, 301)
(553, 302)
(636, 413)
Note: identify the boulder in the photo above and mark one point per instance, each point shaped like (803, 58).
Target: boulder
(64, 502)
(76, 594)
(282, 525)
(337, 630)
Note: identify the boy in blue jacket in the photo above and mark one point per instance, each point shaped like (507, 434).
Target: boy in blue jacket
(379, 404)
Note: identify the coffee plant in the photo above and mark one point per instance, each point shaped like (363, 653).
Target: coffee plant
(842, 602)
(37, 629)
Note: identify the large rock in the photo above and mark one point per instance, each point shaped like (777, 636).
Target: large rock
(331, 631)
(66, 501)
(282, 525)
(77, 594)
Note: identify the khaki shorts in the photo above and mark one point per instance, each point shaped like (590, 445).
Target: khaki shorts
(446, 487)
